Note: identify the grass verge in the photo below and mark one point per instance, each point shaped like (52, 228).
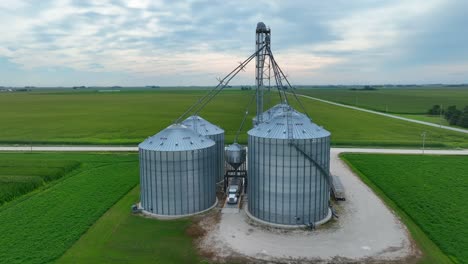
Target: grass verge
(119, 236)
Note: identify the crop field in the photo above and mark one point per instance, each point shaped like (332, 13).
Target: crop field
(429, 190)
(399, 101)
(356, 128)
(18, 177)
(119, 235)
(129, 117)
(48, 222)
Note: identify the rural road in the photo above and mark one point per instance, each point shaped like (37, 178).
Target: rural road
(127, 149)
(387, 115)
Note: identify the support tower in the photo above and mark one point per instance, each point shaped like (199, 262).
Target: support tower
(262, 39)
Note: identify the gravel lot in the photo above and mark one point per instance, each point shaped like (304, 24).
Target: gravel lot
(366, 231)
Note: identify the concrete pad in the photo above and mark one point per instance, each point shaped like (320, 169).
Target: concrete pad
(366, 230)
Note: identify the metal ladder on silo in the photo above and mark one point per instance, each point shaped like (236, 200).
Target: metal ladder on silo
(289, 126)
(324, 172)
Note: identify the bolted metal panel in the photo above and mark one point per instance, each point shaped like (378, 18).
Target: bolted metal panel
(177, 182)
(285, 187)
(213, 132)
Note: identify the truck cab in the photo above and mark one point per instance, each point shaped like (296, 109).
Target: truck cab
(232, 199)
(234, 189)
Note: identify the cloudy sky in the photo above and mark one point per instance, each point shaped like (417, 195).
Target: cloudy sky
(138, 42)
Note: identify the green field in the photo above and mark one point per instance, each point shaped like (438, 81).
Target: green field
(129, 117)
(428, 192)
(400, 101)
(40, 226)
(18, 177)
(119, 236)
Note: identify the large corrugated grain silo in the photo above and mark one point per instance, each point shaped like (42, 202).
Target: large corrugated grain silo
(177, 172)
(288, 170)
(205, 128)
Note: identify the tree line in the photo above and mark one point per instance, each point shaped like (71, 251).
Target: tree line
(453, 115)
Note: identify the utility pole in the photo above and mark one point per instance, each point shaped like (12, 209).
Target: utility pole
(423, 140)
(440, 114)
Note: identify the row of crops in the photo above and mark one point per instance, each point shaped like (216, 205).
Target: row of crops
(18, 177)
(51, 220)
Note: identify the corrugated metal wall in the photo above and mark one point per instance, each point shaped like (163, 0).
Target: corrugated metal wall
(213, 132)
(284, 186)
(219, 155)
(177, 182)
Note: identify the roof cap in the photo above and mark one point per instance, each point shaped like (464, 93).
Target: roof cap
(202, 126)
(176, 137)
(277, 126)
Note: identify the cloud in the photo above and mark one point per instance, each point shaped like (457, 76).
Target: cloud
(12, 5)
(315, 42)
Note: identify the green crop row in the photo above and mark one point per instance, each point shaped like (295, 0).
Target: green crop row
(129, 118)
(18, 177)
(15, 186)
(430, 190)
(42, 227)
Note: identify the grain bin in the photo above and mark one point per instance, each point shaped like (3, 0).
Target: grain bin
(288, 165)
(177, 175)
(207, 129)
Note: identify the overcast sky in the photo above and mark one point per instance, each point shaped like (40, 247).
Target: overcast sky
(74, 42)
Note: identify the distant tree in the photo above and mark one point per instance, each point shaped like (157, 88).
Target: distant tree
(369, 88)
(451, 110)
(455, 117)
(463, 119)
(435, 110)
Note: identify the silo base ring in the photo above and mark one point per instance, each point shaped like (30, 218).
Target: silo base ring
(171, 217)
(263, 222)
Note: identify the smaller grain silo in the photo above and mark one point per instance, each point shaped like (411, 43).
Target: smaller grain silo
(177, 175)
(213, 132)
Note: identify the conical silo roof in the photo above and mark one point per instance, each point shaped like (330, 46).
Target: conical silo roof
(276, 127)
(274, 111)
(176, 137)
(202, 126)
